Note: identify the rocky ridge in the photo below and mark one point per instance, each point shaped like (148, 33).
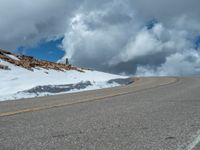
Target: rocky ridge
(30, 63)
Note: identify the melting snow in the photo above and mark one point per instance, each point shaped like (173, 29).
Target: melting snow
(17, 80)
(12, 57)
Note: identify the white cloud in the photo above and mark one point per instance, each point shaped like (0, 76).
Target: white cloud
(110, 35)
(185, 64)
(98, 43)
(25, 22)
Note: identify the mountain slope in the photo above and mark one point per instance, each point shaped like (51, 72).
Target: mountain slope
(23, 77)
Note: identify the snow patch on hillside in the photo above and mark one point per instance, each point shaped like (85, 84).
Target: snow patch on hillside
(17, 82)
(12, 57)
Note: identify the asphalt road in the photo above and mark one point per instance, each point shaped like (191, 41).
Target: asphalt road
(150, 114)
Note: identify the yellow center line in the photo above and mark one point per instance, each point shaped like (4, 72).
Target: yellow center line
(34, 109)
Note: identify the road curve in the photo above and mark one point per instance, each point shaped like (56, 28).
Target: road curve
(152, 113)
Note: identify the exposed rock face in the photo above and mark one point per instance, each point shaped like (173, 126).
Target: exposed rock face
(4, 67)
(30, 63)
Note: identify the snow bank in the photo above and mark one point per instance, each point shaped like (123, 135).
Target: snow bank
(16, 80)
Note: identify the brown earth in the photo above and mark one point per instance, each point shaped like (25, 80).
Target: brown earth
(29, 62)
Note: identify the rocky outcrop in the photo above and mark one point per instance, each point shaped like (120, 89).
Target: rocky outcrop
(4, 67)
(30, 62)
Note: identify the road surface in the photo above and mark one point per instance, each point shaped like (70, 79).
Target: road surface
(150, 114)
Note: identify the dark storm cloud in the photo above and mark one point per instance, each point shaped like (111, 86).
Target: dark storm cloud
(25, 22)
(112, 36)
(115, 37)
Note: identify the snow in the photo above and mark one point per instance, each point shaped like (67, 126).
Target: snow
(12, 57)
(18, 79)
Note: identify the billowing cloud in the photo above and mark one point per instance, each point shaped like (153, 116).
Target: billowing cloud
(154, 37)
(117, 38)
(24, 23)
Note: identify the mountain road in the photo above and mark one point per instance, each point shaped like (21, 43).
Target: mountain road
(154, 113)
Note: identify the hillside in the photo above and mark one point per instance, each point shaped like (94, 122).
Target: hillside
(29, 62)
(24, 76)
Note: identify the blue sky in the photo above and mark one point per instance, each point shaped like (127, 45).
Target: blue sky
(197, 42)
(45, 50)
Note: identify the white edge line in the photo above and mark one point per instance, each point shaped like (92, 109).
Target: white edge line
(192, 143)
(195, 141)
